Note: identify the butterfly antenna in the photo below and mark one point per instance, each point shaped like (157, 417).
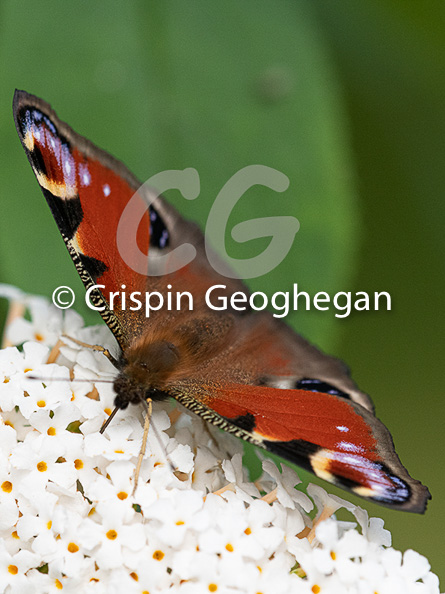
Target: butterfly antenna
(108, 421)
(63, 379)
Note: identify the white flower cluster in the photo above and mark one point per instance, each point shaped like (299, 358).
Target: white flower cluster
(69, 521)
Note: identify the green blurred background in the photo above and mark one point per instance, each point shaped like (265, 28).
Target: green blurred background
(346, 98)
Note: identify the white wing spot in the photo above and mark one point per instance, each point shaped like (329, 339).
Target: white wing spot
(350, 447)
(85, 174)
(342, 428)
(106, 189)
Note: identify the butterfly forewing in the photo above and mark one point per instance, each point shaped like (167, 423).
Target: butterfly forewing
(87, 191)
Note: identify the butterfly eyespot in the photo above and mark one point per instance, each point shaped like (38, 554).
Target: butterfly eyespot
(159, 235)
(316, 385)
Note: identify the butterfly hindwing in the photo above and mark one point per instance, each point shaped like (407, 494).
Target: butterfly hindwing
(330, 435)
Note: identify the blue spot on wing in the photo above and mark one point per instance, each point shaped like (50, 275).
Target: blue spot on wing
(159, 235)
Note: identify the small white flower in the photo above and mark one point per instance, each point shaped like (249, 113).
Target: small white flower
(262, 527)
(13, 569)
(108, 538)
(71, 556)
(327, 502)
(15, 420)
(206, 475)
(116, 486)
(115, 444)
(336, 554)
(55, 423)
(286, 482)
(14, 386)
(237, 475)
(292, 523)
(36, 525)
(42, 462)
(175, 516)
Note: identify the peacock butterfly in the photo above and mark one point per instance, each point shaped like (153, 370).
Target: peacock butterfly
(247, 372)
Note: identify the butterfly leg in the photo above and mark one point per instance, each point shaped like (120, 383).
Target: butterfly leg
(149, 408)
(108, 421)
(95, 347)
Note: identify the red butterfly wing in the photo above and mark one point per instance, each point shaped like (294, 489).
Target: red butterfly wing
(87, 190)
(332, 436)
